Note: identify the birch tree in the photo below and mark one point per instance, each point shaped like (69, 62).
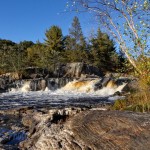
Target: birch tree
(127, 22)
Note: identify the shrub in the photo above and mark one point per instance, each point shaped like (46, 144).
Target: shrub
(139, 102)
(119, 105)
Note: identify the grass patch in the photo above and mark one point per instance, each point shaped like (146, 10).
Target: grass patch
(138, 102)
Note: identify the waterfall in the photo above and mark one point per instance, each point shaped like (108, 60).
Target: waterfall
(81, 86)
(88, 86)
(25, 87)
(102, 87)
(61, 92)
(39, 84)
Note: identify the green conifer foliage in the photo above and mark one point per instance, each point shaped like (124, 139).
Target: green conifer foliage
(103, 52)
(77, 39)
(54, 38)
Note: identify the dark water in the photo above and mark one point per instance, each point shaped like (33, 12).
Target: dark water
(48, 99)
(10, 137)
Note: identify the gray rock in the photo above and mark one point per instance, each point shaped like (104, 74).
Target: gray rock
(132, 85)
(43, 84)
(34, 72)
(2, 83)
(77, 70)
(89, 129)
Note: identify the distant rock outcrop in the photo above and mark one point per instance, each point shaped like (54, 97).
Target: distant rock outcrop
(34, 72)
(41, 78)
(78, 70)
(73, 70)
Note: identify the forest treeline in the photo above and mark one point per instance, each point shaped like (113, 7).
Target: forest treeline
(99, 50)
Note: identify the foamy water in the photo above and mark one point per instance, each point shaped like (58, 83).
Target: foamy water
(74, 93)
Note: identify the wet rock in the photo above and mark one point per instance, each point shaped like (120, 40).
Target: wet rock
(117, 93)
(16, 112)
(12, 132)
(50, 83)
(8, 147)
(98, 85)
(105, 81)
(43, 84)
(2, 85)
(13, 138)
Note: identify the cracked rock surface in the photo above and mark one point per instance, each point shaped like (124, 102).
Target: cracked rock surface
(78, 129)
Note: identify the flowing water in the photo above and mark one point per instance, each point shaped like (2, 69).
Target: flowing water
(75, 93)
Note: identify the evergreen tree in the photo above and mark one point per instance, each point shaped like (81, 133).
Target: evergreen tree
(77, 39)
(23, 45)
(22, 53)
(8, 56)
(67, 43)
(75, 44)
(54, 38)
(13, 56)
(103, 52)
(38, 56)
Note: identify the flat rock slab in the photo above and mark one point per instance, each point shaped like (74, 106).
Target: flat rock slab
(104, 130)
(91, 130)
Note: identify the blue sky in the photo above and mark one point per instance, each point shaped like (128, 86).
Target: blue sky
(28, 19)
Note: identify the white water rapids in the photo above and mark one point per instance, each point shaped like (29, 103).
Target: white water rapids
(75, 93)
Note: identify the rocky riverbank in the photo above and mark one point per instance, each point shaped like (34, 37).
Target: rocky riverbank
(77, 128)
(74, 118)
(38, 79)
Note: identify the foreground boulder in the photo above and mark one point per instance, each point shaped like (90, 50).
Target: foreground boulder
(76, 129)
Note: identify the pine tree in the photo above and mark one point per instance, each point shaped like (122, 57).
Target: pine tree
(55, 45)
(8, 56)
(77, 39)
(54, 38)
(75, 44)
(103, 51)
